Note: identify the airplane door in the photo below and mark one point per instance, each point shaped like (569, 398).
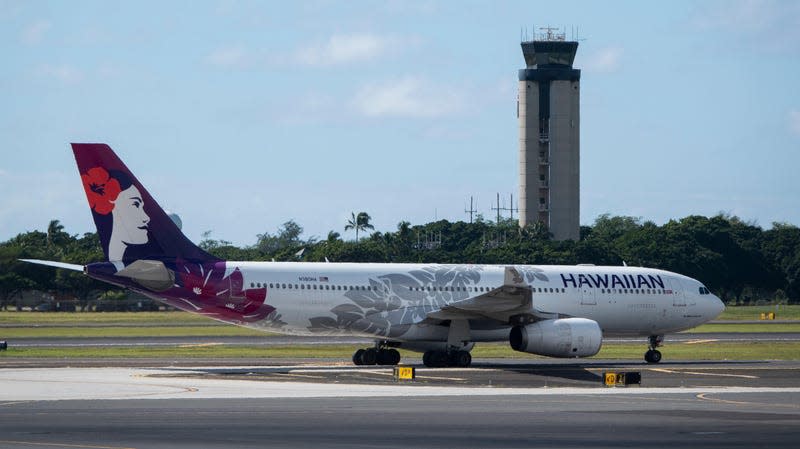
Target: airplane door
(587, 296)
(678, 297)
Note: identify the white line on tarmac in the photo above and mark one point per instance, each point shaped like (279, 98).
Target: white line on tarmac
(664, 370)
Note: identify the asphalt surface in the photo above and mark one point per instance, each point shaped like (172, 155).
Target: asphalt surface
(199, 403)
(669, 421)
(500, 373)
(689, 404)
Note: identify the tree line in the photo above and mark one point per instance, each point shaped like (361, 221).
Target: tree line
(739, 261)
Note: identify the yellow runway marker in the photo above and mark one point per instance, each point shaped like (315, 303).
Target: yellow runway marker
(695, 342)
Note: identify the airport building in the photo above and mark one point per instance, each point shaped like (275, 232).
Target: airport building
(549, 135)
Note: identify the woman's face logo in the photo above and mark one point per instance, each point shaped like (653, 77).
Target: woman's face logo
(129, 213)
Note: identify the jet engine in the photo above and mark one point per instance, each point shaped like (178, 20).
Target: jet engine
(567, 337)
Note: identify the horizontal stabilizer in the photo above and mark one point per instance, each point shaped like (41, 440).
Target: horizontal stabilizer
(152, 274)
(50, 263)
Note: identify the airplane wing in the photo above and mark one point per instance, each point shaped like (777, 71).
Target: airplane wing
(50, 263)
(513, 301)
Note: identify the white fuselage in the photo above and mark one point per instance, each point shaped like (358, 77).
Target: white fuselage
(392, 300)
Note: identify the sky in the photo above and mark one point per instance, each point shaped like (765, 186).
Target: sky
(242, 115)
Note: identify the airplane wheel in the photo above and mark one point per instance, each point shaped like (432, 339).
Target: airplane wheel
(394, 356)
(357, 357)
(439, 359)
(461, 359)
(652, 356)
(435, 359)
(656, 357)
(426, 358)
(388, 357)
(369, 357)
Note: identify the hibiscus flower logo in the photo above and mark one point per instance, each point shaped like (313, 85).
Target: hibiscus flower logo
(209, 291)
(101, 190)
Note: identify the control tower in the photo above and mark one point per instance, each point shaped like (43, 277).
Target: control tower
(549, 135)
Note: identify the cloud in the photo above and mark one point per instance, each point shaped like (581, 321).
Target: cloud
(794, 121)
(407, 97)
(229, 57)
(64, 73)
(35, 32)
(346, 48)
(605, 60)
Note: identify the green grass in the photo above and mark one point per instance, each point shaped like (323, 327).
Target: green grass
(743, 313)
(101, 332)
(109, 318)
(184, 351)
(747, 327)
(682, 351)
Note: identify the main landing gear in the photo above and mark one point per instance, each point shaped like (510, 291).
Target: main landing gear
(653, 355)
(441, 359)
(381, 354)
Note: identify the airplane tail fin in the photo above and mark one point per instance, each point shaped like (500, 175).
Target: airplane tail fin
(130, 223)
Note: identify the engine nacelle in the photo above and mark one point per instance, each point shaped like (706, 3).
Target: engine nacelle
(568, 337)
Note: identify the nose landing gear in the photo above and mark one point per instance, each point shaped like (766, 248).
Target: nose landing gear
(653, 355)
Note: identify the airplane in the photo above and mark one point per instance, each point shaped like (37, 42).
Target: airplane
(436, 309)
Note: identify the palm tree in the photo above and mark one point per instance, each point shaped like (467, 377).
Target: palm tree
(358, 222)
(54, 231)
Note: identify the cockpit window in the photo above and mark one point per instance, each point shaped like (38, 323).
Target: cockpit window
(704, 291)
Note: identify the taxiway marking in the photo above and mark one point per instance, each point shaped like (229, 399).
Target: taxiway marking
(664, 370)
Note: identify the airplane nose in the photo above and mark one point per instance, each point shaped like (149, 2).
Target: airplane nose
(715, 307)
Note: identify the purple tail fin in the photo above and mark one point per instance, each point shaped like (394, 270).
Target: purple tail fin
(130, 223)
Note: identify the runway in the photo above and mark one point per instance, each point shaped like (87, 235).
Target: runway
(509, 405)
